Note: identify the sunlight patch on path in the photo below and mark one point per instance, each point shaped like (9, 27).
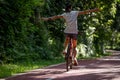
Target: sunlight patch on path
(110, 59)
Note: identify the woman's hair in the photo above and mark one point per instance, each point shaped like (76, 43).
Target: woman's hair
(68, 7)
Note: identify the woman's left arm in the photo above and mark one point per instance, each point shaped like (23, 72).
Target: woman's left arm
(52, 18)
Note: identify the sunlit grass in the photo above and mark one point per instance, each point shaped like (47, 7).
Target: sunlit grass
(14, 68)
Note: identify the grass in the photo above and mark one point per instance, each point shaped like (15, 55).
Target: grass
(11, 69)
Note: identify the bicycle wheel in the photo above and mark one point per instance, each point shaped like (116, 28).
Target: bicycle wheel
(67, 64)
(67, 57)
(71, 59)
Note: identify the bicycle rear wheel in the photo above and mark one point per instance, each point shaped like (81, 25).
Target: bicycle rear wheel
(71, 60)
(67, 64)
(68, 58)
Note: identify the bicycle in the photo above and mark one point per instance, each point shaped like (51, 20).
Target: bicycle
(69, 55)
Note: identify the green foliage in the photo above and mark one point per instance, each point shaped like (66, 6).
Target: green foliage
(23, 36)
(17, 33)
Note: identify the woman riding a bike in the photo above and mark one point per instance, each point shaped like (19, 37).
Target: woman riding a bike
(71, 29)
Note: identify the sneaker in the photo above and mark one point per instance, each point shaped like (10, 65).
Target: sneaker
(75, 62)
(64, 52)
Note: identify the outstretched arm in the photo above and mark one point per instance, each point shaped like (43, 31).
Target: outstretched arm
(88, 11)
(52, 18)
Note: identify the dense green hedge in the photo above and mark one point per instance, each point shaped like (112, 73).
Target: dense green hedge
(23, 36)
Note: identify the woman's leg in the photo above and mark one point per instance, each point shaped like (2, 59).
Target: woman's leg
(65, 44)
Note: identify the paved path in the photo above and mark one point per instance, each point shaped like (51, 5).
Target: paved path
(107, 68)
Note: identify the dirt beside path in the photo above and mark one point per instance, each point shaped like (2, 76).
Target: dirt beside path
(107, 68)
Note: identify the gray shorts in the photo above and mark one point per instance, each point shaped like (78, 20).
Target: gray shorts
(73, 36)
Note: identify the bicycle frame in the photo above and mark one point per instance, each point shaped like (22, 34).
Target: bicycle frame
(69, 55)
